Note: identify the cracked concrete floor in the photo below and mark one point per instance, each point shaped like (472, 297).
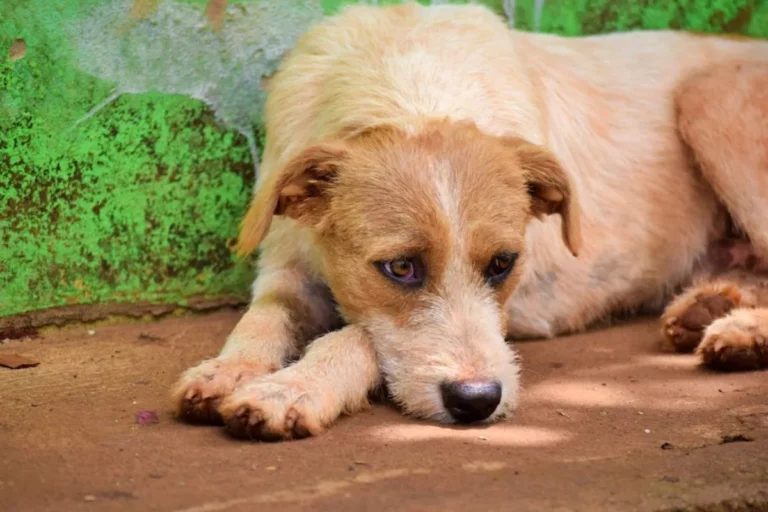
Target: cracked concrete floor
(606, 423)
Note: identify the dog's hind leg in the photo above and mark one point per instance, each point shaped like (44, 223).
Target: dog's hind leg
(690, 313)
(737, 342)
(714, 317)
(723, 117)
(288, 309)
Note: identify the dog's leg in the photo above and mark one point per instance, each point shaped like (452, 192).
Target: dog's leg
(333, 377)
(689, 314)
(737, 342)
(288, 309)
(688, 318)
(723, 117)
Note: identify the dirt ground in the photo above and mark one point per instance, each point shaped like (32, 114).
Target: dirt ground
(606, 423)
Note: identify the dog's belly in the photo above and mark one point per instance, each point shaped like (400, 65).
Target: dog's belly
(634, 258)
(561, 300)
(559, 295)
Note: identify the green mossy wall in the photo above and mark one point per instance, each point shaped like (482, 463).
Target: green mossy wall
(139, 201)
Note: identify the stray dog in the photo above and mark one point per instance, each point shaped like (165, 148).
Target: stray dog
(433, 183)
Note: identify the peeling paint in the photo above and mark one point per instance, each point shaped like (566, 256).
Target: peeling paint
(178, 48)
(141, 9)
(17, 50)
(215, 12)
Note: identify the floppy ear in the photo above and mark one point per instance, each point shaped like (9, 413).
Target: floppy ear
(298, 190)
(550, 189)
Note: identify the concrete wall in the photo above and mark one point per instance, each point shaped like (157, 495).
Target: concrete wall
(129, 131)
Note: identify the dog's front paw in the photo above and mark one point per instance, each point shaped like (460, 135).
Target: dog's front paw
(688, 316)
(738, 342)
(276, 408)
(200, 390)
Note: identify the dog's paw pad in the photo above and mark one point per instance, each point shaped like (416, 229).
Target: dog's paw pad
(201, 389)
(735, 343)
(685, 321)
(267, 410)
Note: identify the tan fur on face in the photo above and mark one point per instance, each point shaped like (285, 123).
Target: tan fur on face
(419, 196)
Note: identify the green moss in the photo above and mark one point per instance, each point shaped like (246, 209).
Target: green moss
(140, 205)
(579, 17)
(333, 6)
(136, 203)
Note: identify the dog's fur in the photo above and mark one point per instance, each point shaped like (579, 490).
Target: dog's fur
(438, 132)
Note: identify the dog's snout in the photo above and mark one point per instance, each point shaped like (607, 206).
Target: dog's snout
(471, 400)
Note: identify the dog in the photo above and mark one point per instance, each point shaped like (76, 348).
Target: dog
(434, 183)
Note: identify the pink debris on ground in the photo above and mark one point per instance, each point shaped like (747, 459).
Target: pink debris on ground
(147, 418)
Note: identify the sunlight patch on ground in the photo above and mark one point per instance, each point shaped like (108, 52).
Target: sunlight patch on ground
(499, 435)
(580, 393)
(670, 394)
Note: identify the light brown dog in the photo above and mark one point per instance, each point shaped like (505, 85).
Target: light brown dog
(428, 179)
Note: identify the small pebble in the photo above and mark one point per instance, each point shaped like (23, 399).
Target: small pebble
(271, 468)
(91, 332)
(737, 438)
(89, 497)
(647, 431)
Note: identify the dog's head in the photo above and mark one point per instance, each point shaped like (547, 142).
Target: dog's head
(423, 238)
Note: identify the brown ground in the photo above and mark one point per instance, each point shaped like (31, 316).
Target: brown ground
(598, 412)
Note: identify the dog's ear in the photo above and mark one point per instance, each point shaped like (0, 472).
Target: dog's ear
(299, 190)
(550, 189)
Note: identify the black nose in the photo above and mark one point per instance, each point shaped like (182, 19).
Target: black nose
(471, 400)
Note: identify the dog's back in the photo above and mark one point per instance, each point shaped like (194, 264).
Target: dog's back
(373, 65)
(370, 66)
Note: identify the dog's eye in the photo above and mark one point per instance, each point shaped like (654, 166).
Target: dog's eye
(500, 267)
(406, 271)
